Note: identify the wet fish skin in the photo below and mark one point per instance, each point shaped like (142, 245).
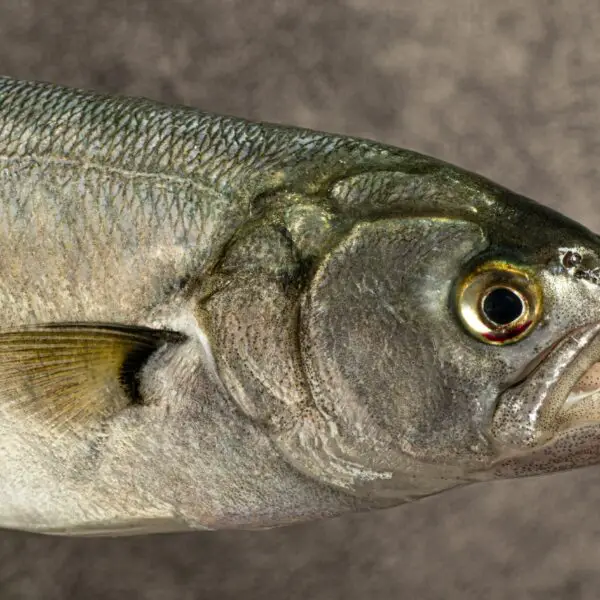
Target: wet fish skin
(319, 368)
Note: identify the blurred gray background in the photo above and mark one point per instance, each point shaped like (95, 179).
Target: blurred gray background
(507, 88)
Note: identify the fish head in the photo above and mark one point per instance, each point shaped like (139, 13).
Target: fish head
(462, 331)
(446, 331)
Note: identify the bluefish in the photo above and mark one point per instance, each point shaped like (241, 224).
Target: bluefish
(211, 323)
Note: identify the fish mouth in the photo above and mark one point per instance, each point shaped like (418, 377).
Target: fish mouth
(558, 391)
(582, 403)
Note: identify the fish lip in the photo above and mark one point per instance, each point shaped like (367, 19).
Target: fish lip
(576, 367)
(541, 359)
(527, 411)
(542, 441)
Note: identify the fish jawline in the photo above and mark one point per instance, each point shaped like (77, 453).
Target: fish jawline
(580, 405)
(543, 400)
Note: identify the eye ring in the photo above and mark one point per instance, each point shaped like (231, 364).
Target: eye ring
(499, 303)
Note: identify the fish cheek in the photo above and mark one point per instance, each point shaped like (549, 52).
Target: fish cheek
(372, 325)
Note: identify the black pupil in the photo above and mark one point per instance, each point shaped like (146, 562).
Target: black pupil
(502, 306)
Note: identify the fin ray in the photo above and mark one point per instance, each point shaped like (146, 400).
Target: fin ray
(69, 374)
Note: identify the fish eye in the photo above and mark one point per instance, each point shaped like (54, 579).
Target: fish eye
(502, 305)
(499, 303)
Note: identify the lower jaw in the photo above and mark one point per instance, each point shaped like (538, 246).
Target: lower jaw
(577, 447)
(531, 413)
(567, 425)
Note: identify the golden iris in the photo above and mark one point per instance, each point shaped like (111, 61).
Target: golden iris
(499, 303)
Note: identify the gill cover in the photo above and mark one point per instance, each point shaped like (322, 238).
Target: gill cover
(339, 362)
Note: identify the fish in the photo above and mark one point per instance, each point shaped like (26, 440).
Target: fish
(212, 323)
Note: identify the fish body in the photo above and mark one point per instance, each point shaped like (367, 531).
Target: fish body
(211, 323)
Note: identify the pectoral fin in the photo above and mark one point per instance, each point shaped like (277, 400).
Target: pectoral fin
(71, 374)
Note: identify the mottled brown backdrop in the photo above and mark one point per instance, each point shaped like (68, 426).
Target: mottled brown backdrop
(508, 88)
